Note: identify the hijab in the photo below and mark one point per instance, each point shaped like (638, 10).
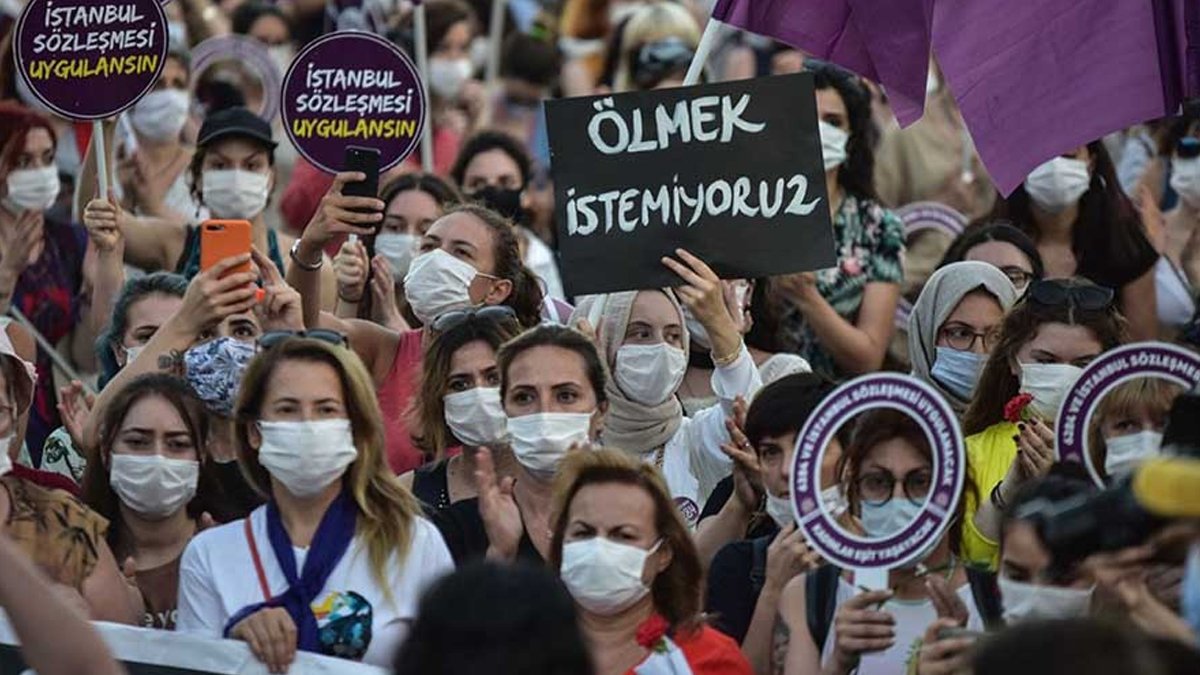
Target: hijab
(629, 425)
(938, 300)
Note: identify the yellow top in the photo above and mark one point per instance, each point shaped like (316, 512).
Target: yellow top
(989, 454)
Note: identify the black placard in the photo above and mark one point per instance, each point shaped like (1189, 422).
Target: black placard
(628, 170)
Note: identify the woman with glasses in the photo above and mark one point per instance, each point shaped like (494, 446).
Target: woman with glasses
(954, 325)
(337, 559)
(1001, 245)
(468, 258)
(886, 471)
(841, 319)
(1084, 226)
(1044, 344)
(644, 339)
(458, 404)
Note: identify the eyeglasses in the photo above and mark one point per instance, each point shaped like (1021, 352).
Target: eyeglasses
(452, 320)
(1188, 147)
(1059, 293)
(277, 337)
(961, 337)
(1019, 277)
(877, 487)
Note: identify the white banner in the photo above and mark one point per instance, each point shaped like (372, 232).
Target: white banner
(155, 652)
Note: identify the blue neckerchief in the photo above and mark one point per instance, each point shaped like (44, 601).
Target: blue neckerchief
(332, 540)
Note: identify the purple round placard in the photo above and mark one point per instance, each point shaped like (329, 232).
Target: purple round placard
(88, 60)
(248, 51)
(352, 88)
(919, 216)
(1142, 359)
(936, 419)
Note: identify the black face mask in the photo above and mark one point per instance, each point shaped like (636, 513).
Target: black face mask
(506, 202)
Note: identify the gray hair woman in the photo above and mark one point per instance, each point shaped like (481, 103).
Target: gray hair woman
(953, 326)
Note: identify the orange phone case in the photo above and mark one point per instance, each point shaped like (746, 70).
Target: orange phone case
(221, 239)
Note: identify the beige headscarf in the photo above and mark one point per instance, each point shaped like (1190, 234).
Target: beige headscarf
(629, 425)
(941, 295)
(24, 374)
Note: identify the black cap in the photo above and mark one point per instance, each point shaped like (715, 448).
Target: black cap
(235, 122)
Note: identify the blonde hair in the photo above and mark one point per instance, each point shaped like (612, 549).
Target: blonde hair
(1144, 393)
(387, 511)
(655, 21)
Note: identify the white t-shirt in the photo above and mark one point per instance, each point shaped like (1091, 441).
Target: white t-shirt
(217, 579)
(693, 462)
(912, 619)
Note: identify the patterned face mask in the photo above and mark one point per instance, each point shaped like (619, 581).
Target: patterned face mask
(214, 371)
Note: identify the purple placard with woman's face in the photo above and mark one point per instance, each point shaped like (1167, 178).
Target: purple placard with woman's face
(352, 88)
(1108, 371)
(89, 60)
(935, 418)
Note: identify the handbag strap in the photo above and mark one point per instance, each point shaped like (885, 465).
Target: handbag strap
(258, 566)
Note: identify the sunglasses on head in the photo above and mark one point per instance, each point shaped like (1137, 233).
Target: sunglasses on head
(656, 60)
(1057, 293)
(493, 313)
(276, 337)
(1188, 147)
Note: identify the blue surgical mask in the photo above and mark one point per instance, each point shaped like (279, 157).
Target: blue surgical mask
(884, 520)
(958, 371)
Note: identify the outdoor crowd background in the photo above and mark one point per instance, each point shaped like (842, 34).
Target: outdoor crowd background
(235, 473)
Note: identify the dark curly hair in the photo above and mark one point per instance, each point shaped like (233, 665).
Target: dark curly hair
(857, 174)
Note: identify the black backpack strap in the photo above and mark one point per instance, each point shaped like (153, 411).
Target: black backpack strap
(820, 590)
(986, 593)
(758, 565)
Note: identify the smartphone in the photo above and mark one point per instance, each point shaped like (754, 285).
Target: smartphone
(221, 239)
(365, 161)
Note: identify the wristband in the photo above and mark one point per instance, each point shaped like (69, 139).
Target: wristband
(311, 267)
(722, 361)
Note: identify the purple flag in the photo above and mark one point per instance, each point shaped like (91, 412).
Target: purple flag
(896, 54)
(1035, 79)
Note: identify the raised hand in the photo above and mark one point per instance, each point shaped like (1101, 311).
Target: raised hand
(350, 268)
(74, 408)
(861, 629)
(383, 289)
(282, 306)
(212, 296)
(337, 215)
(103, 219)
(498, 509)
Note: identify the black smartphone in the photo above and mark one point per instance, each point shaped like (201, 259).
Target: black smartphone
(365, 161)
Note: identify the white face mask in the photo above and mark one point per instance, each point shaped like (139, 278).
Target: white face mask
(956, 371)
(307, 457)
(1124, 453)
(833, 144)
(447, 76)
(233, 194)
(476, 416)
(1185, 180)
(5, 460)
(834, 501)
(398, 248)
(160, 115)
(177, 33)
(780, 510)
(437, 283)
(282, 56)
(1027, 602)
(152, 485)
(540, 441)
(1048, 383)
(650, 374)
(886, 519)
(32, 189)
(603, 576)
(1058, 184)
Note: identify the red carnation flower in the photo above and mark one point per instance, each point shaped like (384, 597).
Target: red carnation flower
(1014, 410)
(651, 632)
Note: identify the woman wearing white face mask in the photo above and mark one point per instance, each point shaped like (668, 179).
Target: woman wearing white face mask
(628, 561)
(467, 258)
(1127, 426)
(954, 325)
(552, 387)
(1085, 226)
(143, 480)
(1044, 344)
(841, 319)
(886, 471)
(42, 270)
(414, 201)
(644, 339)
(459, 405)
(338, 532)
